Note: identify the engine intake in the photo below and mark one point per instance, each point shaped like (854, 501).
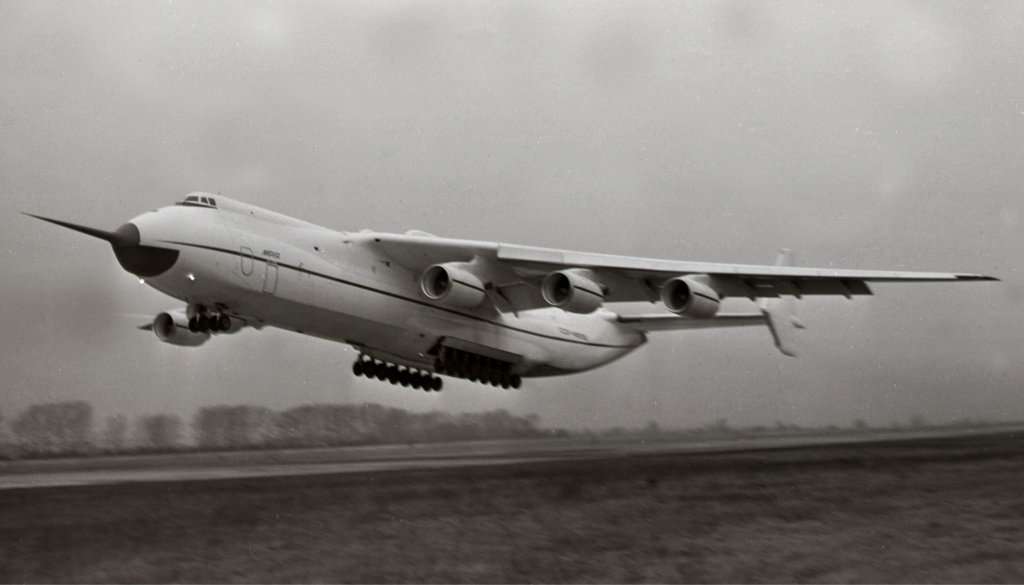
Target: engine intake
(572, 291)
(172, 327)
(452, 285)
(685, 295)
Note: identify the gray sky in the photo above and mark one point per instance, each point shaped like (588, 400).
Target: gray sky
(881, 135)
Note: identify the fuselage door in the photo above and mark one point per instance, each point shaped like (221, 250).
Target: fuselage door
(270, 283)
(247, 261)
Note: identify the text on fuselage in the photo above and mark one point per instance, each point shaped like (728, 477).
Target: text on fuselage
(575, 334)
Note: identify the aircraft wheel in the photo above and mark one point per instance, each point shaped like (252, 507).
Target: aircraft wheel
(193, 325)
(437, 384)
(224, 322)
(515, 381)
(392, 374)
(357, 368)
(405, 378)
(203, 324)
(381, 371)
(416, 381)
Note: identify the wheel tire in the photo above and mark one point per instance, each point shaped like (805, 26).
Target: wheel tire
(193, 326)
(436, 384)
(203, 324)
(224, 323)
(357, 368)
(381, 371)
(516, 381)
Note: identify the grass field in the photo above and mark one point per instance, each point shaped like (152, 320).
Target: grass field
(937, 510)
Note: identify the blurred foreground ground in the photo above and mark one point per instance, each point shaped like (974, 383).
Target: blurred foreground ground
(947, 509)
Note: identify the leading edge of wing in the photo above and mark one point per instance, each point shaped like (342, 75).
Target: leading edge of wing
(560, 258)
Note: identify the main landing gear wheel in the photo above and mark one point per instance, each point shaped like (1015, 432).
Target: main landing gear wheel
(371, 368)
(476, 368)
(209, 323)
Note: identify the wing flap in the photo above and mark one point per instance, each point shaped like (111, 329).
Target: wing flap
(649, 323)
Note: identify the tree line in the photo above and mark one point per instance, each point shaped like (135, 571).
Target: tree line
(68, 428)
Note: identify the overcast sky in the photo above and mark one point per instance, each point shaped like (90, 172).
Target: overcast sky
(885, 135)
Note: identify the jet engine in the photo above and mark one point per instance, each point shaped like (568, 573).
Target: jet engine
(452, 285)
(172, 327)
(685, 295)
(572, 291)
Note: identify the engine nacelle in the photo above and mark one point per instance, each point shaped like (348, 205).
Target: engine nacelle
(452, 285)
(172, 327)
(685, 295)
(572, 291)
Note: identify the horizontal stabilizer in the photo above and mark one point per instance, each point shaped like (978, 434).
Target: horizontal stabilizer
(780, 312)
(782, 322)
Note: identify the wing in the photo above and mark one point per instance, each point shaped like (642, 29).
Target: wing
(513, 274)
(729, 280)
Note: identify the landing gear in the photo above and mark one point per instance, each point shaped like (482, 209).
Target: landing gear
(476, 368)
(371, 368)
(205, 323)
(452, 362)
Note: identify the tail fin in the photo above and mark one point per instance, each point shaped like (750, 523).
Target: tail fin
(780, 313)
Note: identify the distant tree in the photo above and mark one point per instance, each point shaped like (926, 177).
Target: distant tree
(321, 425)
(115, 432)
(6, 449)
(232, 427)
(159, 431)
(63, 427)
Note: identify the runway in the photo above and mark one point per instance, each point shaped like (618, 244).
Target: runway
(111, 470)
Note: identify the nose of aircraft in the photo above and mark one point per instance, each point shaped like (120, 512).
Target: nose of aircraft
(142, 261)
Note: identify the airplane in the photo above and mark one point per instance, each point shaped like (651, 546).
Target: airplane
(417, 306)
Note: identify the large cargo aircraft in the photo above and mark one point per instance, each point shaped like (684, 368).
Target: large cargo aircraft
(417, 306)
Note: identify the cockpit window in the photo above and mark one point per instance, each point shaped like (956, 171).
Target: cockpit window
(198, 201)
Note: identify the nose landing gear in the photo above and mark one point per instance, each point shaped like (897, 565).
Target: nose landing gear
(211, 323)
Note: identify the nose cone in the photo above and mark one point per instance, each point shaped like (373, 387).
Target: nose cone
(142, 261)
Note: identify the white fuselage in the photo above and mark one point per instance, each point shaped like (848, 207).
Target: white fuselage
(273, 270)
